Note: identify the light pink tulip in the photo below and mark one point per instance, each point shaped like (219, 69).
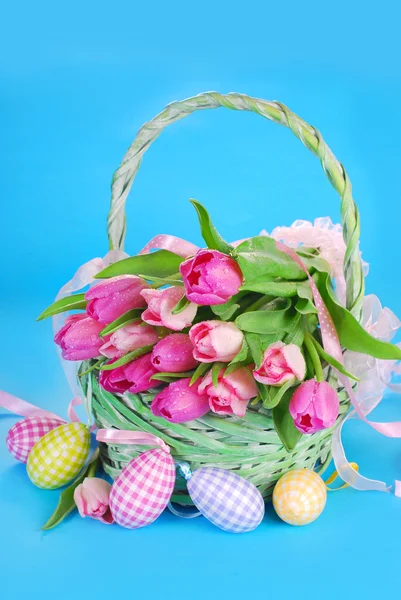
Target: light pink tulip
(160, 307)
(216, 341)
(133, 377)
(129, 338)
(233, 392)
(281, 362)
(92, 499)
(113, 297)
(179, 402)
(79, 338)
(314, 406)
(174, 354)
(210, 277)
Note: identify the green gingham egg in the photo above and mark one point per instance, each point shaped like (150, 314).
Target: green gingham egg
(58, 456)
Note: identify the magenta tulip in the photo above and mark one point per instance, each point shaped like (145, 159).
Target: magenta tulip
(133, 377)
(216, 341)
(129, 338)
(92, 499)
(281, 362)
(179, 402)
(113, 297)
(232, 393)
(79, 338)
(160, 308)
(211, 277)
(314, 406)
(174, 354)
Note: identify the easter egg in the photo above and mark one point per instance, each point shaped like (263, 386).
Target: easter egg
(299, 497)
(226, 499)
(59, 456)
(143, 489)
(23, 435)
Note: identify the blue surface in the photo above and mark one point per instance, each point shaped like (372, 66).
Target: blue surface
(77, 80)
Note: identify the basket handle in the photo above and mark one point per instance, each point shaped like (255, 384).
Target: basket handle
(274, 111)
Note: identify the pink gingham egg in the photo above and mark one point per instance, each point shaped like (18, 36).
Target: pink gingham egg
(143, 489)
(23, 435)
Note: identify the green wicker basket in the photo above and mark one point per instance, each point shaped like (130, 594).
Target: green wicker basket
(249, 446)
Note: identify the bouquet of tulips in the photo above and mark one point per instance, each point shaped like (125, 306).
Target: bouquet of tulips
(217, 328)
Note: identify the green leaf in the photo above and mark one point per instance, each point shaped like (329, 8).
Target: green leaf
(282, 289)
(234, 366)
(216, 369)
(259, 259)
(66, 502)
(161, 263)
(209, 233)
(167, 377)
(296, 334)
(125, 319)
(264, 393)
(351, 333)
(315, 263)
(127, 358)
(265, 321)
(96, 365)
(181, 305)
(331, 360)
(305, 307)
(284, 422)
(276, 393)
(255, 346)
(161, 281)
(242, 354)
(199, 371)
(228, 309)
(74, 302)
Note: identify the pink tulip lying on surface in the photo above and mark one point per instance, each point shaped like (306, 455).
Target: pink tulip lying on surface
(174, 354)
(92, 499)
(161, 304)
(133, 377)
(79, 338)
(129, 338)
(211, 277)
(233, 392)
(113, 297)
(179, 402)
(216, 341)
(314, 406)
(281, 362)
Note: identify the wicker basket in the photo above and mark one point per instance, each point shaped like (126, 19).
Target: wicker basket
(250, 446)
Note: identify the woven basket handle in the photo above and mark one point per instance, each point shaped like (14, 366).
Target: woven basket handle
(274, 111)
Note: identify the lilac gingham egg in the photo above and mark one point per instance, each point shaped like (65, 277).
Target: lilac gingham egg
(226, 499)
(23, 435)
(143, 489)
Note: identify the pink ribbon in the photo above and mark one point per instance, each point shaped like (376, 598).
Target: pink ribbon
(173, 244)
(121, 436)
(25, 409)
(331, 344)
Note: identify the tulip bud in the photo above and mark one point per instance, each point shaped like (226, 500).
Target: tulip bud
(179, 402)
(160, 308)
(216, 341)
(174, 354)
(129, 338)
(113, 297)
(281, 362)
(92, 499)
(133, 377)
(314, 406)
(79, 338)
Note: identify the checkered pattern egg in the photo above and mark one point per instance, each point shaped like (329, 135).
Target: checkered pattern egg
(23, 435)
(143, 489)
(299, 497)
(226, 499)
(59, 456)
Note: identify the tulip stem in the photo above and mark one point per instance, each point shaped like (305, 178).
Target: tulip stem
(310, 346)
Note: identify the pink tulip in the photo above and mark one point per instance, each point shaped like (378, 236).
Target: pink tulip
(113, 297)
(210, 277)
(129, 338)
(79, 338)
(281, 362)
(314, 406)
(233, 392)
(160, 307)
(174, 354)
(215, 341)
(179, 402)
(133, 377)
(92, 499)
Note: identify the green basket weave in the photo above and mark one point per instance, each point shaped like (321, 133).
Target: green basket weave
(250, 446)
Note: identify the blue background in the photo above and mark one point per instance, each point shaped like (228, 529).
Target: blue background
(77, 80)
